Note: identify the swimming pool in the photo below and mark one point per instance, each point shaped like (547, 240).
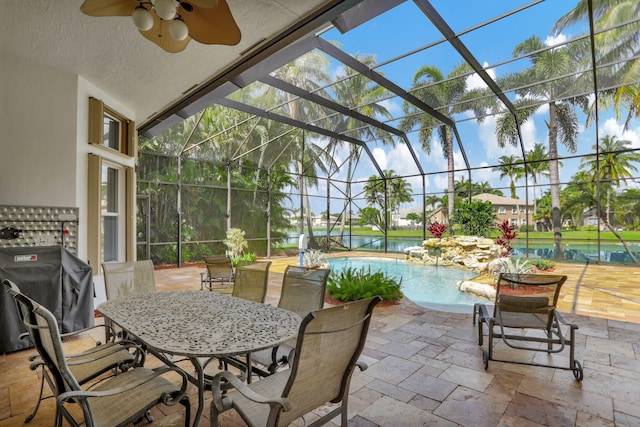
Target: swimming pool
(428, 286)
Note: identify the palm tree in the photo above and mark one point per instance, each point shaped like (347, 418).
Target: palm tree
(443, 96)
(483, 187)
(358, 93)
(628, 207)
(463, 189)
(399, 191)
(587, 196)
(612, 164)
(574, 202)
(547, 64)
(512, 167)
(538, 166)
(310, 71)
(619, 42)
(432, 201)
(396, 191)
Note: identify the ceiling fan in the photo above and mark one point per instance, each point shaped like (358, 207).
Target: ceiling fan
(171, 24)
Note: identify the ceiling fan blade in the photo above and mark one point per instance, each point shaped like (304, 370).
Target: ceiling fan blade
(207, 4)
(159, 34)
(108, 7)
(212, 26)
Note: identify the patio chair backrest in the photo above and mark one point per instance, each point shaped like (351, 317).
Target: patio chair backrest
(219, 267)
(303, 289)
(14, 290)
(130, 397)
(24, 305)
(128, 278)
(527, 294)
(328, 346)
(251, 279)
(45, 335)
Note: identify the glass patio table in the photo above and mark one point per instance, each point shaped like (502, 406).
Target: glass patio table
(200, 325)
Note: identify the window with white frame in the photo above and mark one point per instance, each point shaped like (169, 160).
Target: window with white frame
(111, 212)
(111, 186)
(502, 210)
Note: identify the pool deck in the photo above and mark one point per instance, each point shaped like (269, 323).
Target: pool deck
(425, 366)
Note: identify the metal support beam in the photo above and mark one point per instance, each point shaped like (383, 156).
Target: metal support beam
(351, 62)
(320, 100)
(302, 125)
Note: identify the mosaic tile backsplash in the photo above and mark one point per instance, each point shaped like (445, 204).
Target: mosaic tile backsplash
(40, 226)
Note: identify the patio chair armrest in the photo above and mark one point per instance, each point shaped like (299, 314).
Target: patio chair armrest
(362, 366)
(90, 328)
(36, 364)
(168, 398)
(560, 319)
(89, 356)
(223, 402)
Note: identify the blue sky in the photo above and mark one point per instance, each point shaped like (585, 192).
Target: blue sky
(405, 28)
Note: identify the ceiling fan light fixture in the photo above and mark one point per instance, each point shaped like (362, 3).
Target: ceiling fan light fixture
(166, 9)
(178, 29)
(174, 23)
(142, 18)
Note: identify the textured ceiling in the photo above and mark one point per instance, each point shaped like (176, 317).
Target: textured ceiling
(110, 53)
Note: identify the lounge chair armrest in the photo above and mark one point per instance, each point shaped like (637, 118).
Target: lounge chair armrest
(564, 322)
(223, 402)
(168, 399)
(483, 312)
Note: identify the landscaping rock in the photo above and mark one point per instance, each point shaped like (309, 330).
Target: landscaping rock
(469, 252)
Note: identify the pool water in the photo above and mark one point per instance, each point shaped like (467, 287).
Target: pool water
(428, 286)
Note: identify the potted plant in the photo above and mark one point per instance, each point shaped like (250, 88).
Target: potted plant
(313, 258)
(236, 243)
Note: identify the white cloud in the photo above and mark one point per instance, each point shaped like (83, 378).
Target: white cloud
(474, 81)
(554, 40)
(484, 174)
(613, 128)
(529, 139)
(440, 183)
(437, 155)
(393, 107)
(381, 157)
(400, 160)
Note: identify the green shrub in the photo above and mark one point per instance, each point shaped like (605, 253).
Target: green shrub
(475, 218)
(511, 265)
(352, 284)
(542, 264)
(248, 257)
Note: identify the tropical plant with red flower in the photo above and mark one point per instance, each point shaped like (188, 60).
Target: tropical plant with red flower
(508, 234)
(437, 229)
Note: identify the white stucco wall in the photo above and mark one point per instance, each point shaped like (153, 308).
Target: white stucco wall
(39, 135)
